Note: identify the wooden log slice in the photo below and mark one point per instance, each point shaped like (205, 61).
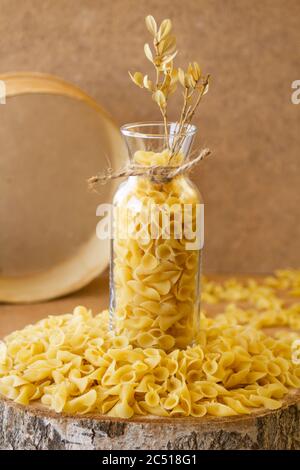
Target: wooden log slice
(34, 427)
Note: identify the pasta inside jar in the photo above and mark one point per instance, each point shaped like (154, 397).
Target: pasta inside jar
(156, 257)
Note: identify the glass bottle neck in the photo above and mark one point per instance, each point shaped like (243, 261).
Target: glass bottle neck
(149, 145)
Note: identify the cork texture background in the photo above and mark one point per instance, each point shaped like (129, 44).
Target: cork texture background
(251, 185)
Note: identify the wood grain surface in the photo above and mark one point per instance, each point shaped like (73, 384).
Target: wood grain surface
(33, 427)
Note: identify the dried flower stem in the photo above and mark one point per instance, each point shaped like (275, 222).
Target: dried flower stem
(167, 77)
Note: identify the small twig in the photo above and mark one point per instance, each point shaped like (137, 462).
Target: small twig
(192, 112)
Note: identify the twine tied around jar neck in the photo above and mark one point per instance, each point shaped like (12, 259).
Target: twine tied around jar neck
(157, 173)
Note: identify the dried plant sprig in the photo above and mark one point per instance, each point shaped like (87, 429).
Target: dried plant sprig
(195, 87)
(162, 56)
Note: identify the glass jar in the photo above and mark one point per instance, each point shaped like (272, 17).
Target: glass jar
(157, 243)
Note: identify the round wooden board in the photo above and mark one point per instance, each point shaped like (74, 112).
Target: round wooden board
(34, 427)
(53, 137)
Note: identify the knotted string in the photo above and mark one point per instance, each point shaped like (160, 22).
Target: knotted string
(157, 173)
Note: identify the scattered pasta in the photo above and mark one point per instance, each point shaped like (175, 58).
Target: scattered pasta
(73, 363)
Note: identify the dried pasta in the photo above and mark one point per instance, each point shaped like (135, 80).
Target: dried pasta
(156, 275)
(73, 363)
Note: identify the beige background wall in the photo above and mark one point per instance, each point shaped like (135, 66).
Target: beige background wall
(252, 50)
